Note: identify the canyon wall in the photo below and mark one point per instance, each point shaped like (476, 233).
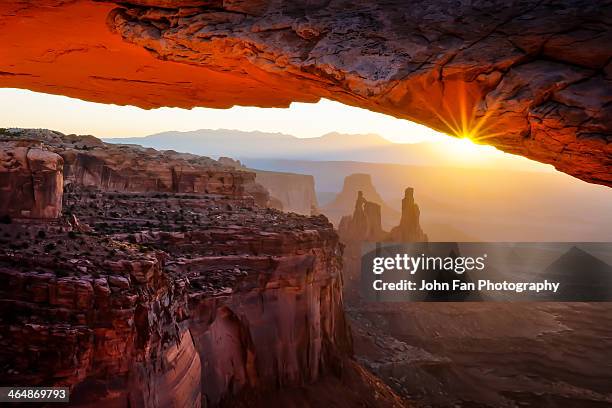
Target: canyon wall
(31, 181)
(168, 298)
(289, 192)
(529, 77)
(296, 192)
(111, 330)
(90, 162)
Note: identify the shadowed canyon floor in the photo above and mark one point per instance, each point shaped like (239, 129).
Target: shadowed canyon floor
(530, 77)
(489, 355)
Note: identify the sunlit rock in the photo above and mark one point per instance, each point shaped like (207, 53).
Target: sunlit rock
(531, 78)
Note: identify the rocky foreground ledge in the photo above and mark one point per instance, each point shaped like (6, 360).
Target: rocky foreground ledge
(156, 280)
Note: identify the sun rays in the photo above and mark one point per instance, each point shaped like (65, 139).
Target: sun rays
(461, 112)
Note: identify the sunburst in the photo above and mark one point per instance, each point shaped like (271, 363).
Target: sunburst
(459, 113)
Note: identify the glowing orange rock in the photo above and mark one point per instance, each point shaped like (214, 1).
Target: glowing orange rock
(526, 77)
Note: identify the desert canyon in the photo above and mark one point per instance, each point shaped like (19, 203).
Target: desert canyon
(147, 278)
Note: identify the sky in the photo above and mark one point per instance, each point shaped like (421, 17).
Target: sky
(28, 109)
(69, 115)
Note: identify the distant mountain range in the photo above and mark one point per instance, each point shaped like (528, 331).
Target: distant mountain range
(333, 146)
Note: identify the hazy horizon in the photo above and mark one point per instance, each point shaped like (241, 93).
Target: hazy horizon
(57, 112)
(300, 120)
(493, 205)
(336, 146)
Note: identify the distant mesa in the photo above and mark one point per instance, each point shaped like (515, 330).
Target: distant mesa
(344, 202)
(582, 277)
(36, 165)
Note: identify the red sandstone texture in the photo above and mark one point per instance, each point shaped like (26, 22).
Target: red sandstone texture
(87, 161)
(529, 77)
(155, 298)
(31, 181)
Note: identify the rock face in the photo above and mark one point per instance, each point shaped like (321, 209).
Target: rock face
(289, 192)
(364, 225)
(31, 182)
(295, 192)
(409, 229)
(529, 77)
(90, 318)
(344, 202)
(171, 299)
(89, 162)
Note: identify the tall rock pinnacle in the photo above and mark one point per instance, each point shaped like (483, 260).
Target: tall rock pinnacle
(409, 229)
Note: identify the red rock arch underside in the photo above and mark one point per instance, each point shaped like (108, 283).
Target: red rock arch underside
(529, 77)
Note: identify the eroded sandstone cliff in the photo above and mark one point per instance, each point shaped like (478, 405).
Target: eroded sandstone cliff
(409, 228)
(158, 298)
(529, 77)
(31, 181)
(296, 192)
(290, 192)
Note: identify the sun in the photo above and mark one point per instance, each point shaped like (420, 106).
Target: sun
(463, 112)
(464, 146)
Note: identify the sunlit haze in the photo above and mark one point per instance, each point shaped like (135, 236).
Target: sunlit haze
(70, 115)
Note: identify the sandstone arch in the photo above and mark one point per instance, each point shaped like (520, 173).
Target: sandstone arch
(529, 77)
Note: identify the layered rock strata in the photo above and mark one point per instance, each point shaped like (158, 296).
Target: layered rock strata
(529, 77)
(88, 161)
(295, 192)
(103, 320)
(31, 181)
(156, 299)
